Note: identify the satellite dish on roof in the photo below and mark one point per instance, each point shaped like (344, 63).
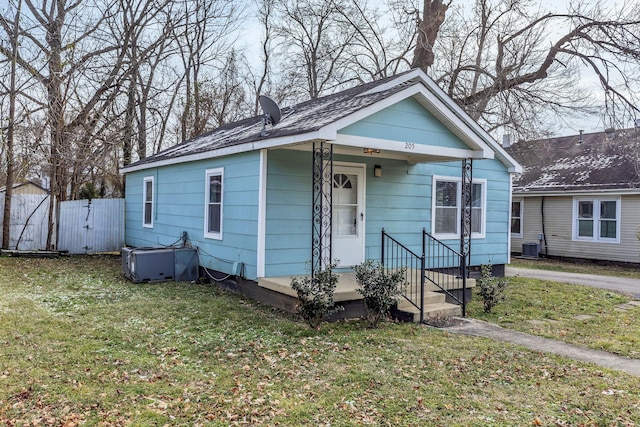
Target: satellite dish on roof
(271, 111)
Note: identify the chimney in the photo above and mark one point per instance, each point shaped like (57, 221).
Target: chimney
(506, 140)
(581, 139)
(610, 133)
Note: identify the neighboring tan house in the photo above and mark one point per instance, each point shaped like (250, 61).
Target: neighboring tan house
(578, 197)
(264, 203)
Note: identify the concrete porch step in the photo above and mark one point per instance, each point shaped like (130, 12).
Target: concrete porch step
(434, 306)
(429, 298)
(442, 309)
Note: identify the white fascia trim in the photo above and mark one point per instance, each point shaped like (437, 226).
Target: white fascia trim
(452, 121)
(512, 165)
(262, 215)
(455, 123)
(510, 162)
(320, 134)
(398, 146)
(583, 193)
(416, 72)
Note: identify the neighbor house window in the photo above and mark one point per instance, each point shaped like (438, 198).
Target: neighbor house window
(447, 207)
(147, 202)
(516, 218)
(213, 204)
(596, 219)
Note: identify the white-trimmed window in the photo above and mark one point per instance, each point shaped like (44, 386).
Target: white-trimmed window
(516, 217)
(596, 219)
(213, 203)
(447, 205)
(147, 202)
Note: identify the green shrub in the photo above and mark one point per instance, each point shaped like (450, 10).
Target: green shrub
(379, 289)
(315, 296)
(491, 288)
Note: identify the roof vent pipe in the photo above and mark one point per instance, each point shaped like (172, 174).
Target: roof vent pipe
(581, 139)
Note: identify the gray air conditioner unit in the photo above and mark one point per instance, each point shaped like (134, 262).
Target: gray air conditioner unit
(530, 250)
(159, 264)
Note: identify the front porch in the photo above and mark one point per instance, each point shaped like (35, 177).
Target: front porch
(435, 302)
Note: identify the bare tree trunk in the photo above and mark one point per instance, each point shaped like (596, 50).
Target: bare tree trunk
(55, 109)
(433, 15)
(265, 9)
(8, 195)
(127, 138)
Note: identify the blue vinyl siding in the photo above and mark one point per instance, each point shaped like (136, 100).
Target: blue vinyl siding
(493, 248)
(399, 201)
(180, 198)
(288, 215)
(406, 121)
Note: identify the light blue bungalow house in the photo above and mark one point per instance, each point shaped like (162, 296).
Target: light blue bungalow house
(263, 203)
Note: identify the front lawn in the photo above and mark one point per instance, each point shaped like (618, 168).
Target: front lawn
(81, 345)
(581, 315)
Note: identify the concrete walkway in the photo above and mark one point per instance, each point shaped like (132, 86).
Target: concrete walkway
(620, 284)
(480, 328)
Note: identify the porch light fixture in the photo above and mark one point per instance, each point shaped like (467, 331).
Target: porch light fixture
(377, 171)
(371, 150)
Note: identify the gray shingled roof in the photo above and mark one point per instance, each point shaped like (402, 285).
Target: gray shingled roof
(300, 119)
(564, 164)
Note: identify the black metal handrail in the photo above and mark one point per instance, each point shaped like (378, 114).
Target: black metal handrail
(446, 268)
(441, 265)
(394, 256)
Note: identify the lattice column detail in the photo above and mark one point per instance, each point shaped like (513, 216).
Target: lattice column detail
(321, 215)
(465, 226)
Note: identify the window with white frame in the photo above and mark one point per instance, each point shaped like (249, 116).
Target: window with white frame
(477, 209)
(596, 219)
(213, 204)
(147, 202)
(447, 206)
(516, 218)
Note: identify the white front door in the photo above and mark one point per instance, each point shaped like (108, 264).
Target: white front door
(347, 230)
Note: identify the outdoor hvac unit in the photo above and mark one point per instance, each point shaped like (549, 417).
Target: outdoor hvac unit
(530, 250)
(186, 265)
(158, 264)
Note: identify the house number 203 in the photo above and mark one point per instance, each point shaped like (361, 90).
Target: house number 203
(409, 146)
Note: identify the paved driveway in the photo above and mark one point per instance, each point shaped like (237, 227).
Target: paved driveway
(620, 284)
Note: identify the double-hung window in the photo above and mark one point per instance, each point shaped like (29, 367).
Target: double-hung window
(147, 202)
(516, 218)
(447, 207)
(213, 203)
(597, 220)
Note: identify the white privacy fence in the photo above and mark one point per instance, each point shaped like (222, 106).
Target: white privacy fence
(83, 226)
(29, 218)
(90, 226)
